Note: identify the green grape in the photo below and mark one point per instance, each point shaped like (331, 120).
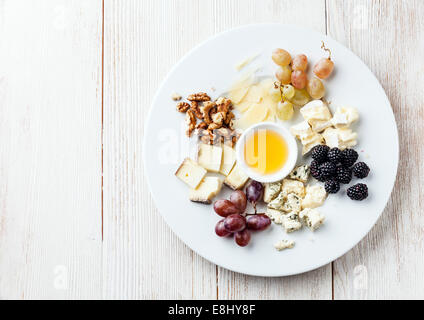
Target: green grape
(285, 110)
(315, 88)
(281, 57)
(275, 93)
(288, 91)
(301, 97)
(284, 74)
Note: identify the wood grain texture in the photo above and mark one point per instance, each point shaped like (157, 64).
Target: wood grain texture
(142, 258)
(389, 37)
(139, 50)
(50, 173)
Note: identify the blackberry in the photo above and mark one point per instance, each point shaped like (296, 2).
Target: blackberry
(335, 155)
(343, 174)
(327, 170)
(319, 153)
(349, 157)
(360, 170)
(358, 191)
(315, 172)
(332, 186)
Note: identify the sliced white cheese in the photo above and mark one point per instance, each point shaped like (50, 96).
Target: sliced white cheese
(237, 178)
(208, 188)
(228, 160)
(256, 113)
(190, 173)
(209, 157)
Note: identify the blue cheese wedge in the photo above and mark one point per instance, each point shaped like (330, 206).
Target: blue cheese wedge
(300, 173)
(271, 191)
(190, 173)
(312, 218)
(291, 222)
(315, 196)
(206, 191)
(237, 178)
(292, 203)
(209, 157)
(284, 244)
(292, 186)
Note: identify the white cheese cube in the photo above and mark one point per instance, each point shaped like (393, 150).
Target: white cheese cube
(344, 117)
(293, 186)
(291, 223)
(271, 191)
(315, 196)
(284, 244)
(312, 218)
(341, 138)
(315, 110)
(228, 160)
(237, 178)
(206, 191)
(190, 173)
(209, 157)
(300, 173)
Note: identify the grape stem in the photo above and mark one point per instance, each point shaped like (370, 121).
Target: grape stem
(326, 49)
(276, 85)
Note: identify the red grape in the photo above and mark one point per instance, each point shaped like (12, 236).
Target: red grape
(300, 62)
(238, 198)
(254, 192)
(242, 238)
(299, 79)
(220, 229)
(234, 223)
(323, 68)
(258, 222)
(225, 208)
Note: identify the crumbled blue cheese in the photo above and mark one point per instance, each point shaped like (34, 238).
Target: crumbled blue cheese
(284, 244)
(271, 191)
(292, 203)
(278, 202)
(290, 222)
(275, 215)
(312, 218)
(300, 173)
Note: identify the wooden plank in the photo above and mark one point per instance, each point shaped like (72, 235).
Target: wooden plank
(388, 36)
(142, 257)
(229, 14)
(50, 140)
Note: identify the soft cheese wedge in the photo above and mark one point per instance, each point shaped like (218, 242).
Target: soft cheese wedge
(207, 190)
(236, 179)
(209, 157)
(228, 160)
(190, 173)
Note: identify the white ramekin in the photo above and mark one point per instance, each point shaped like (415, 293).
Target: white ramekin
(292, 149)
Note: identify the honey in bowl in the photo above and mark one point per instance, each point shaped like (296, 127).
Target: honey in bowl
(265, 151)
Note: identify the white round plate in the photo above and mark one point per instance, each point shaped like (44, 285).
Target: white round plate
(210, 67)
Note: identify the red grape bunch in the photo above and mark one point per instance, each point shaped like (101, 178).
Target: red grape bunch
(236, 222)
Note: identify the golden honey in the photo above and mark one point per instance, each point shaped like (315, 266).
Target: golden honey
(265, 151)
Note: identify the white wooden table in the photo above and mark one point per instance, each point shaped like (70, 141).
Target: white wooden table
(76, 81)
